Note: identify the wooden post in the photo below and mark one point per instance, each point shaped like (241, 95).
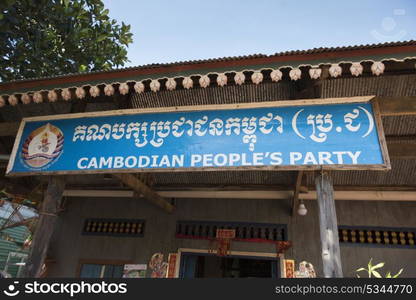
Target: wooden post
(328, 225)
(142, 189)
(295, 199)
(44, 227)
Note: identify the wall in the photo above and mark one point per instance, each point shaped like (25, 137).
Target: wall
(305, 231)
(69, 246)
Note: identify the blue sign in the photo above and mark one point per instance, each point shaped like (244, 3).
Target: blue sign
(266, 137)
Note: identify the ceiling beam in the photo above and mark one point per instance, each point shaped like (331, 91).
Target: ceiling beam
(255, 194)
(76, 190)
(367, 195)
(402, 150)
(397, 106)
(142, 189)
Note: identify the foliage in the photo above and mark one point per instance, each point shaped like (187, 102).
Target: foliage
(371, 270)
(52, 37)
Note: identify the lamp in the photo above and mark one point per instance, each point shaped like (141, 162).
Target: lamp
(302, 211)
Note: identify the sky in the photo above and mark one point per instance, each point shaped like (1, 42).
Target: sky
(179, 30)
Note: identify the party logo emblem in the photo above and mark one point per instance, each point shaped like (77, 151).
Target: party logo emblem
(43, 146)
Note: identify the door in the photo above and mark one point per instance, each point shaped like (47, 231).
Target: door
(197, 265)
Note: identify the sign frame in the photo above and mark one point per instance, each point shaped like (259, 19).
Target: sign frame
(272, 104)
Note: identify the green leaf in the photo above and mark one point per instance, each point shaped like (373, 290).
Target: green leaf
(82, 68)
(360, 269)
(376, 274)
(378, 266)
(101, 38)
(398, 273)
(370, 264)
(84, 30)
(33, 36)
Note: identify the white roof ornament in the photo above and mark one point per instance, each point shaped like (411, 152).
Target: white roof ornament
(94, 91)
(37, 97)
(170, 84)
(257, 77)
(66, 94)
(356, 69)
(222, 79)
(52, 96)
(315, 73)
(26, 98)
(276, 75)
(377, 68)
(109, 90)
(204, 81)
(239, 78)
(295, 74)
(155, 85)
(123, 88)
(139, 87)
(335, 70)
(80, 92)
(187, 83)
(13, 100)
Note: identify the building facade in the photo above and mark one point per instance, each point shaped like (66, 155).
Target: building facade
(179, 212)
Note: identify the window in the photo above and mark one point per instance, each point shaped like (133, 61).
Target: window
(114, 227)
(244, 231)
(101, 271)
(392, 237)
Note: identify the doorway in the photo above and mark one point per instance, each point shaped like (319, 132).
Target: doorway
(206, 265)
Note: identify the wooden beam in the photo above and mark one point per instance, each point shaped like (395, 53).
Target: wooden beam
(229, 194)
(397, 106)
(402, 150)
(328, 226)
(142, 189)
(405, 194)
(296, 192)
(377, 188)
(249, 188)
(45, 226)
(367, 195)
(215, 187)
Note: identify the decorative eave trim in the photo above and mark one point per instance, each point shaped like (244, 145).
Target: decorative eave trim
(185, 77)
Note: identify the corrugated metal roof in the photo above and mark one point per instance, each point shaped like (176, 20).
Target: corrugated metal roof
(400, 125)
(347, 48)
(224, 178)
(387, 85)
(19, 235)
(235, 58)
(266, 91)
